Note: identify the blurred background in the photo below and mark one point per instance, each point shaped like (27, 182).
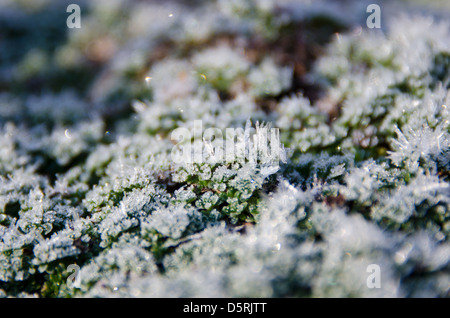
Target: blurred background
(101, 67)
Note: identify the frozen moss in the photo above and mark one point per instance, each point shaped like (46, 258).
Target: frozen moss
(89, 181)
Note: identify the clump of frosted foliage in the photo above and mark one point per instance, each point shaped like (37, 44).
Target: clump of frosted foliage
(355, 177)
(220, 66)
(267, 79)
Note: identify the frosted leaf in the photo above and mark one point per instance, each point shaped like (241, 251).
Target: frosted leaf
(268, 79)
(169, 222)
(402, 203)
(207, 201)
(57, 247)
(221, 65)
(337, 171)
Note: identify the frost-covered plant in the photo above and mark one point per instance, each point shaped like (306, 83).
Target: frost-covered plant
(231, 182)
(220, 66)
(88, 177)
(267, 79)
